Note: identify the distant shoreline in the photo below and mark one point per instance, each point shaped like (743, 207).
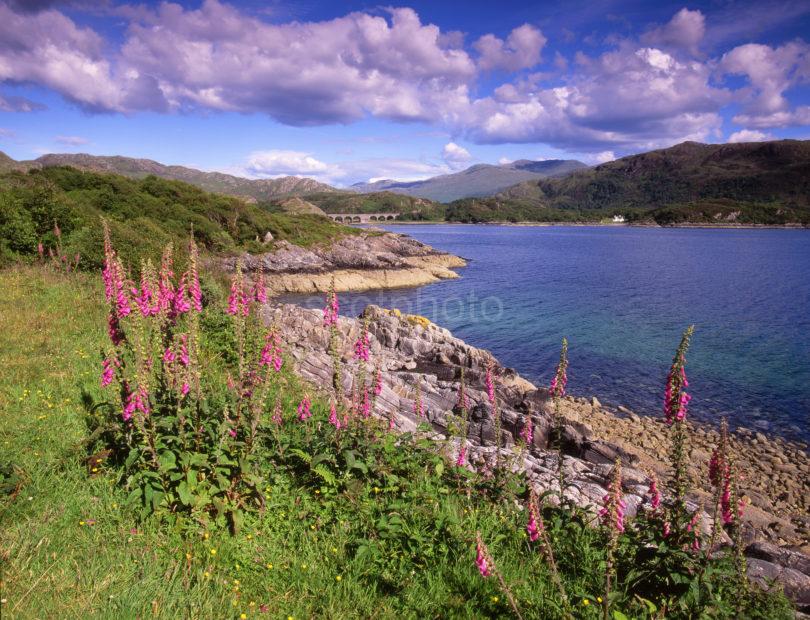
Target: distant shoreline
(599, 224)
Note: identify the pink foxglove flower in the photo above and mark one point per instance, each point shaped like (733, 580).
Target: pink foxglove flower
(612, 512)
(490, 384)
(165, 297)
(331, 309)
(655, 493)
(260, 290)
(676, 400)
(361, 351)
(334, 419)
(271, 352)
(461, 459)
(168, 356)
(725, 499)
(184, 389)
(481, 557)
(182, 353)
(238, 302)
(366, 404)
(181, 305)
(114, 329)
(667, 529)
(559, 381)
(534, 524)
(304, 412)
(107, 373)
(378, 382)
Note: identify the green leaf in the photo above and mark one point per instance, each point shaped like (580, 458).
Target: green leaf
(167, 461)
(324, 472)
(184, 494)
(617, 615)
(439, 469)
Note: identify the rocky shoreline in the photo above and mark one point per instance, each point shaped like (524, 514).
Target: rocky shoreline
(411, 351)
(367, 261)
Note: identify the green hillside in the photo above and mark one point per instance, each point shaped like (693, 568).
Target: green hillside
(752, 183)
(144, 215)
(377, 202)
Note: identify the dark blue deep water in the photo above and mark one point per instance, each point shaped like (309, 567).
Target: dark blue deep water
(622, 297)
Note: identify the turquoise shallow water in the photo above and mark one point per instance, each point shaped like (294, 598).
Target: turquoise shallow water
(622, 297)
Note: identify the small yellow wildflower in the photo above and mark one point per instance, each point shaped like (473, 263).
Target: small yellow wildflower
(206, 535)
(598, 599)
(236, 581)
(249, 537)
(494, 599)
(207, 575)
(338, 578)
(213, 551)
(304, 566)
(243, 616)
(269, 566)
(188, 556)
(586, 602)
(81, 522)
(252, 604)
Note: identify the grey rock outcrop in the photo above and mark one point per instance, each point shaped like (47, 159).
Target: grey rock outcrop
(363, 261)
(410, 351)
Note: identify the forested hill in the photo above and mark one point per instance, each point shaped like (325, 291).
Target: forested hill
(144, 215)
(755, 171)
(757, 182)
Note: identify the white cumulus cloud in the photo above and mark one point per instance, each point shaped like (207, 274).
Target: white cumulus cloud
(455, 156)
(749, 135)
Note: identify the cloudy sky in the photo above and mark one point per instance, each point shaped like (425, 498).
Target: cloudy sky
(349, 91)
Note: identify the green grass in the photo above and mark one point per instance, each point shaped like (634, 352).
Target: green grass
(388, 535)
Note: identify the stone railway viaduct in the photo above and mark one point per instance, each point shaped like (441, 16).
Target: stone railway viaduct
(362, 218)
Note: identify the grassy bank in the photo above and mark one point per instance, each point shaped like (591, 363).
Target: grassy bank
(386, 531)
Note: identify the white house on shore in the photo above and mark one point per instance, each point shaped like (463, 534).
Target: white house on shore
(618, 219)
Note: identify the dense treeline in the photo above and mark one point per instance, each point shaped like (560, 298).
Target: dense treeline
(144, 215)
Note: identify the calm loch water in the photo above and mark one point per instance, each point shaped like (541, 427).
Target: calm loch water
(622, 297)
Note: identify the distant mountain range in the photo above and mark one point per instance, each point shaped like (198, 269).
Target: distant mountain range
(757, 182)
(217, 182)
(478, 180)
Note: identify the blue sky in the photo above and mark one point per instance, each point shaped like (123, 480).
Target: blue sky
(348, 92)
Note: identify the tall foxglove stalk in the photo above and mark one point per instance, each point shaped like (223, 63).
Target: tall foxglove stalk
(557, 391)
(486, 566)
(463, 405)
(612, 517)
(675, 408)
(536, 530)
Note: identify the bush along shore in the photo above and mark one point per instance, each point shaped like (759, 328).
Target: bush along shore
(408, 473)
